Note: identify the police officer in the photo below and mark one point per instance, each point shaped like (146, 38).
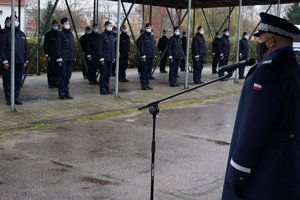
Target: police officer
(225, 51)
(84, 46)
(184, 43)
(138, 41)
(244, 53)
(162, 47)
(198, 53)
(67, 56)
(216, 52)
(20, 60)
(6, 28)
(264, 156)
(93, 54)
(175, 55)
(107, 55)
(147, 52)
(124, 53)
(51, 46)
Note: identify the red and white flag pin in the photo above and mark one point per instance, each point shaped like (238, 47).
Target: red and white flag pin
(257, 87)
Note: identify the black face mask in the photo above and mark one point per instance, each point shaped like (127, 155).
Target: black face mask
(261, 50)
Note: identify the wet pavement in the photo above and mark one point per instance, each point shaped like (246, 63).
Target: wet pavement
(98, 147)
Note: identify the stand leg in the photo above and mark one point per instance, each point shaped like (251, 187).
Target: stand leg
(154, 110)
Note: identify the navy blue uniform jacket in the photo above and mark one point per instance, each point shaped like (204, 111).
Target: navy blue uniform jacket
(217, 46)
(93, 45)
(124, 44)
(244, 47)
(147, 45)
(225, 47)
(198, 46)
(51, 44)
(107, 49)
(264, 156)
(162, 43)
(21, 55)
(67, 47)
(175, 47)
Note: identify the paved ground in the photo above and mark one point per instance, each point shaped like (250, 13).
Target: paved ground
(42, 106)
(98, 147)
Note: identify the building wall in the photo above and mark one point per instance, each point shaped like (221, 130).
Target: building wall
(5, 11)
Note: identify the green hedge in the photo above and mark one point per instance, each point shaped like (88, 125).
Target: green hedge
(133, 60)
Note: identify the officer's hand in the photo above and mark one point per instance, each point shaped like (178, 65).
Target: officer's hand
(144, 59)
(49, 58)
(25, 65)
(213, 55)
(197, 58)
(75, 59)
(60, 64)
(171, 60)
(222, 57)
(102, 62)
(114, 60)
(6, 66)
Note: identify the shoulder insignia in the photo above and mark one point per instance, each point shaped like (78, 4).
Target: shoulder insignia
(267, 62)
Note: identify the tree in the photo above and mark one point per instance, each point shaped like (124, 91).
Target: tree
(293, 14)
(45, 15)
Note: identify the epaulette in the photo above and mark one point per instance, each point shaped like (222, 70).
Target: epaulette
(267, 62)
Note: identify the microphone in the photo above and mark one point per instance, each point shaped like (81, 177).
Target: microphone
(231, 68)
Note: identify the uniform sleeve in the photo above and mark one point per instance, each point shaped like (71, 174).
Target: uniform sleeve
(26, 50)
(100, 46)
(195, 46)
(170, 46)
(3, 48)
(45, 45)
(260, 104)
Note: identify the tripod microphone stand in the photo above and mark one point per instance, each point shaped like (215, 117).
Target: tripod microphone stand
(154, 110)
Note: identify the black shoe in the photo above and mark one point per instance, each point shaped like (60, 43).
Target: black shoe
(172, 85)
(91, 83)
(61, 97)
(149, 88)
(123, 80)
(113, 75)
(104, 93)
(196, 82)
(109, 92)
(144, 88)
(151, 78)
(177, 85)
(163, 72)
(201, 82)
(126, 80)
(178, 76)
(18, 102)
(51, 86)
(241, 77)
(8, 103)
(69, 97)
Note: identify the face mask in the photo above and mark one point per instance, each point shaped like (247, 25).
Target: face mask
(177, 33)
(17, 23)
(109, 28)
(227, 33)
(246, 37)
(148, 30)
(124, 30)
(67, 26)
(262, 49)
(88, 32)
(95, 30)
(7, 24)
(55, 28)
(201, 32)
(219, 36)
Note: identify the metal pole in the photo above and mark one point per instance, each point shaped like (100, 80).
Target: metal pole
(117, 51)
(173, 25)
(12, 58)
(150, 16)
(94, 13)
(19, 12)
(194, 21)
(278, 8)
(143, 21)
(127, 13)
(97, 12)
(38, 34)
(238, 40)
(187, 45)
(208, 26)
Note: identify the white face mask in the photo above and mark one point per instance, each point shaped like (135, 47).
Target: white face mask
(247, 37)
(55, 28)
(124, 30)
(17, 23)
(67, 26)
(218, 36)
(148, 30)
(7, 24)
(88, 32)
(227, 33)
(201, 32)
(95, 30)
(109, 28)
(177, 32)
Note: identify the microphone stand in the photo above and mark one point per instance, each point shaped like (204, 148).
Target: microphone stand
(154, 110)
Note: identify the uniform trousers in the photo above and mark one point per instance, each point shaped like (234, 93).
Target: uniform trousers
(65, 73)
(144, 74)
(174, 71)
(105, 74)
(19, 70)
(198, 67)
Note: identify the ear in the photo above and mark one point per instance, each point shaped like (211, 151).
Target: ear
(272, 42)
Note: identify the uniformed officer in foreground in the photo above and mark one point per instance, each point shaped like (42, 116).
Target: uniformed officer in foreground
(264, 156)
(147, 52)
(21, 60)
(51, 45)
(198, 53)
(244, 53)
(175, 54)
(67, 56)
(107, 55)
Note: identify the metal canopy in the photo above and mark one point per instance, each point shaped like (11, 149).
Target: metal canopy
(182, 4)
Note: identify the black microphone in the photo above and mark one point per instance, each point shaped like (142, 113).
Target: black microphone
(231, 68)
